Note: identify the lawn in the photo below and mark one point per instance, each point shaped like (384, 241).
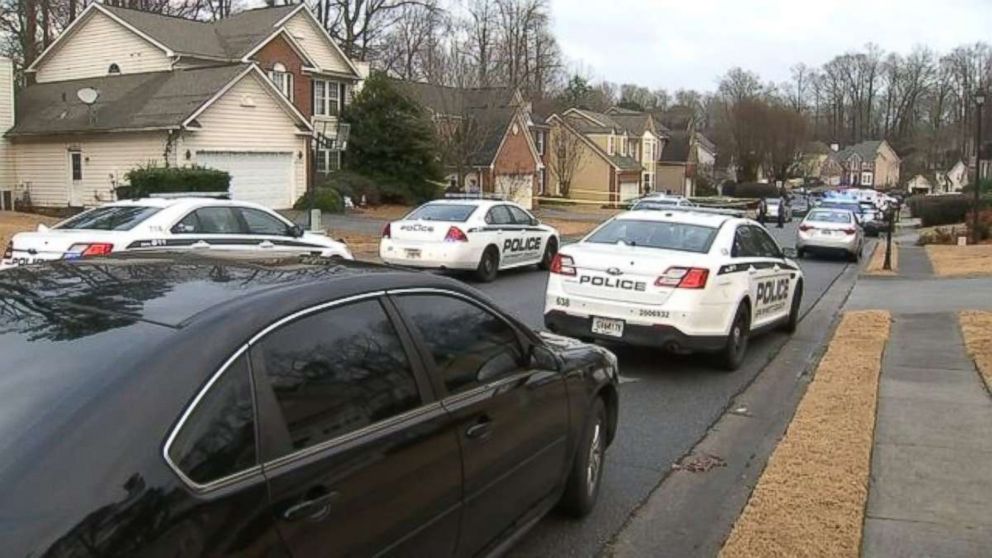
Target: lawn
(12, 223)
(957, 261)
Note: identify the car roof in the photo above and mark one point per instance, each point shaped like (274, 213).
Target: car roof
(470, 201)
(190, 201)
(687, 216)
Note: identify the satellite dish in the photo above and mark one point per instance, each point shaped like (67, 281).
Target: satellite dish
(88, 95)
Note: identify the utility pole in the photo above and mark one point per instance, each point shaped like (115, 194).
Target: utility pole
(979, 101)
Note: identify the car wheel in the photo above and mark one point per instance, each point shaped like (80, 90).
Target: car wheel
(735, 347)
(854, 257)
(585, 476)
(797, 301)
(549, 254)
(488, 265)
(800, 253)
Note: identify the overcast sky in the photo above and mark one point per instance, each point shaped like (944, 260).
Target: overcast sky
(690, 43)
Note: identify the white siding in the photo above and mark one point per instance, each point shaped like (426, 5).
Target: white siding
(42, 165)
(266, 127)
(94, 45)
(315, 44)
(6, 121)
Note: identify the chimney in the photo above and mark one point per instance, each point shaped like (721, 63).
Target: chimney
(6, 122)
(834, 147)
(364, 68)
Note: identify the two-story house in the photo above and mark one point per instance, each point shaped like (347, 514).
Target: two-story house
(122, 88)
(648, 139)
(869, 164)
(687, 156)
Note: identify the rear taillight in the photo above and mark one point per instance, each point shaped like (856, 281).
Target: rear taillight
(387, 231)
(563, 265)
(8, 252)
(85, 250)
(684, 278)
(455, 235)
(805, 228)
(851, 230)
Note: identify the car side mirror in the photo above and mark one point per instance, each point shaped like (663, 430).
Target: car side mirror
(542, 358)
(789, 252)
(296, 231)
(534, 221)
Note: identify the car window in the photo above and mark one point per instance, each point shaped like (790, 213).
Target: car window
(665, 235)
(442, 212)
(260, 222)
(841, 217)
(520, 216)
(338, 371)
(766, 245)
(209, 220)
(499, 215)
(745, 244)
(109, 218)
(470, 345)
(217, 440)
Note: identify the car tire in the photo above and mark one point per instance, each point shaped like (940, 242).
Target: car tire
(488, 265)
(797, 301)
(854, 257)
(585, 475)
(800, 253)
(732, 354)
(549, 254)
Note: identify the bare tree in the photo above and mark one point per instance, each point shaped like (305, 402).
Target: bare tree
(358, 25)
(566, 153)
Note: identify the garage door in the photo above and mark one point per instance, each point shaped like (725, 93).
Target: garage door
(517, 188)
(265, 178)
(629, 191)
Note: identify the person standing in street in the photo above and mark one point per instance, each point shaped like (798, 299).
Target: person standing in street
(780, 219)
(762, 210)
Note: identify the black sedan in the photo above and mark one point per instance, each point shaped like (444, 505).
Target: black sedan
(169, 405)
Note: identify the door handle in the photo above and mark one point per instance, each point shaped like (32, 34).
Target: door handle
(481, 429)
(200, 244)
(313, 509)
(751, 270)
(266, 244)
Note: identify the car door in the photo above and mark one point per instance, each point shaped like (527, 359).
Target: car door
(746, 254)
(532, 238)
(267, 231)
(360, 458)
(774, 293)
(512, 414)
(501, 232)
(217, 227)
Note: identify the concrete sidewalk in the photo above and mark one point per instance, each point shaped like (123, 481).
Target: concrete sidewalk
(930, 492)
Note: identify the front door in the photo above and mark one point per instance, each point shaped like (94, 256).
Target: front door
(75, 178)
(512, 416)
(359, 458)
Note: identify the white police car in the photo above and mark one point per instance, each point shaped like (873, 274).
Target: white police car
(685, 281)
(480, 235)
(168, 223)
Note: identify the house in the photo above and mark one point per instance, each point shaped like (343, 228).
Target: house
(122, 88)
(919, 184)
(487, 139)
(687, 156)
(869, 163)
(953, 179)
(648, 138)
(605, 155)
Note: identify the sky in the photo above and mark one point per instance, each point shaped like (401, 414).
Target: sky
(690, 43)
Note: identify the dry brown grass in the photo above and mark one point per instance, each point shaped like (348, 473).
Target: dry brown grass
(363, 246)
(956, 261)
(383, 212)
(12, 223)
(877, 260)
(571, 228)
(977, 329)
(811, 496)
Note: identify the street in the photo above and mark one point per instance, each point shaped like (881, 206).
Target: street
(667, 404)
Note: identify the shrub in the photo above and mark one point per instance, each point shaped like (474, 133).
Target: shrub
(354, 185)
(939, 210)
(151, 179)
(325, 199)
(984, 224)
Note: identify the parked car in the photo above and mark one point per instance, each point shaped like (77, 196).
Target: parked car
(774, 206)
(800, 206)
(164, 404)
(660, 200)
(830, 230)
(175, 223)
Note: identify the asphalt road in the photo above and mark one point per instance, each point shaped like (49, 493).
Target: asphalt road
(667, 403)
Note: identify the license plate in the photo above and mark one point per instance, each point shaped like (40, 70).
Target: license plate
(826, 233)
(606, 326)
(412, 253)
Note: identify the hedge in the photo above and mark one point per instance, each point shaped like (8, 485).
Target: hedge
(751, 190)
(325, 199)
(144, 181)
(939, 210)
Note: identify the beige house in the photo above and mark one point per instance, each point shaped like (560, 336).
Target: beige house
(687, 156)
(919, 184)
(872, 164)
(123, 88)
(648, 137)
(953, 179)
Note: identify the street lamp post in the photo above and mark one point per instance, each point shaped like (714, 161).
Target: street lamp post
(979, 102)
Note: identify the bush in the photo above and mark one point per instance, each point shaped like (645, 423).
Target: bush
(325, 199)
(354, 185)
(751, 190)
(144, 181)
(984, 224)
(939, 210)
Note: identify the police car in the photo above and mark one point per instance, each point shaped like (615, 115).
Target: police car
(685, 281)
(168, 223)
(484, 236)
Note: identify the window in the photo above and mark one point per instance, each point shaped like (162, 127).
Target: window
(282, 79)
(209, 220)
(442, 212)
(662, 235)
(260, 222)
(866, 179)
(520, 217)
(609, 146)
(540, 141)
(109, 218)
(623, 146)
(470, 346)
(328, 160)
(338, 371)
(499, 215)
(76, 161)
(326, 97)
(541, 181)
(114, 69)
(745, 243)
(217, 440)
(767, 246)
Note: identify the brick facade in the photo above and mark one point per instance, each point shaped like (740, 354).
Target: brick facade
(279, 51)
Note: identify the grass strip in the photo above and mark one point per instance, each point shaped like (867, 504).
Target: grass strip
(877, 260)
(976, 326)
(958, 261)
(810, 499)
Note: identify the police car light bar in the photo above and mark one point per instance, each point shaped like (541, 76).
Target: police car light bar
(479, 196)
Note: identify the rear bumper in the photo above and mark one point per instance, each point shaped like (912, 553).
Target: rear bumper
(432, 256)
(846, 244)
(655, 336)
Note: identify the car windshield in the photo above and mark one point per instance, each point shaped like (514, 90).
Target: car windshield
(442, 212)
(845, 206)
(655, 234)
(830, 217)
(109, 218)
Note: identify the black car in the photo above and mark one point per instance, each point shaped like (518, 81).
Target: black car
(179, 405)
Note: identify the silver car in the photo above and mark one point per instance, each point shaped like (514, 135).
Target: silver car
(830, 230)
(774, 206)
